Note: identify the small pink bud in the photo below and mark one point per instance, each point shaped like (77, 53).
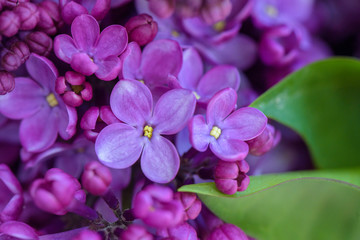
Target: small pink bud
(263, 143)
(162, 8)
(28, 14)
(21, 49)
(141, 29)
(11, 61)
(7, 82)
(136, 232)
(96, 178)
(227, 231)
(39, 43)
(50, 18)
(9, 23)
(192, 205)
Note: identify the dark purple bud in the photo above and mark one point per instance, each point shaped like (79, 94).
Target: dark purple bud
(14, 3)
(96, 178)
(21, 49)
(39, 43)
(227, 231)
(87, 235)
(231, 177)
(50, 18)
(141, 29)
(55, 192)
(11, 61)
(28, 14)
(191, 204)
(11, 197)
(263, 143)
(162, 8)
(182, 231)
(9, 23)
(18, 231)
(7, 82)
(156, 206)
(214, 11)
(136, 232)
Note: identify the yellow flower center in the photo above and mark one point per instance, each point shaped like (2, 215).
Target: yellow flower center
(271, 11)
(219, 26)
(197, 96)
(148, 131)
(215, 132)
(175, 33)
(51, 99)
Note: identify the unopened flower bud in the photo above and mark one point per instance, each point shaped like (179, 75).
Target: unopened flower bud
(14, 3)
(17, 231)
(191, 204)
(136, 232)
(87, 235)
(227, 231)
(28, 14)
(96, 178)
(9, 23)
(162, 8)
(214, 11)
(182, 231)
(7, 82)
(263, 143)
(21, 49)
(39, 43)
(50, 18)
(231, 177)
(11, 61)
(141, 29)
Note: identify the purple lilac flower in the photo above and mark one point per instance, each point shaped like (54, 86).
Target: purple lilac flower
(192, 205)
(263, 143)
(17, 231)
(50, 19)
(205, 86)
(41, 109)
(141, 29)
(96, 178)
(156, 206)
(87, 235)
(90, 52)
(7, 82)
(136, 232)
(119, 145)
(227, 232)
(224, 130)
(182, 231)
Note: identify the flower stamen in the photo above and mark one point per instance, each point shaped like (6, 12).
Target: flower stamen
(219, 26)
(51, 99)
(271, 11)
(215, 132)
(148, 131)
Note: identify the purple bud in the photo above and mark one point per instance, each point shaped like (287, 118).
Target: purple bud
(136, 232)
(21, 49)
(7, 82)
(231, 177)
(18, 231)
(141, 29)
(263, 143)
(156, 206)
(11, 61)
(182, 231)
(96, 178)
(55, 192)
(214, 11)
(87, 235)
(191, 204)
(14, 3)
(50, 18)
(227, 232)
(39, 43)
(9, 23)
(162, 8)
(28, 14)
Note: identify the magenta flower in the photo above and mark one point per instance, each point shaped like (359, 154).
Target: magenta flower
(90, 52)
(224, 130)
(17, 231)
(119, 145)
(43, 112)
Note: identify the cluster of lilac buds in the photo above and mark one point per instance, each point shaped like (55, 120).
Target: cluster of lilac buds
(107, 107)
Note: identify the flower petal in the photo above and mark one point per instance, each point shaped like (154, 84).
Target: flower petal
(229, 149)
(160, 161)
(191, 70)
(42, 70)
(64, 47)
(82, 63)
(173, 111)
(112, 41)
(160, 59)
(244, 124)
(131, 102)
(119, 145)
(67, 121)
(24, 101)
(216, 79)
(199, 133)
(109, 68)
(131, 61)
(39, 132)
(71, 10)
(85, 31)
(220, 106)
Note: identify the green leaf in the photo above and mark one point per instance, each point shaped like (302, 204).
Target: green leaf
(297, 205)
(322, 103)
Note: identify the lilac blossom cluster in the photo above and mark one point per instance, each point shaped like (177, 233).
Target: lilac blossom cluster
(107, 107)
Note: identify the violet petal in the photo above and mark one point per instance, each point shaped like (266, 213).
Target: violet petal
(229, 149)
(112, 41)
(220, 106)
(85, 31)
(64, 47)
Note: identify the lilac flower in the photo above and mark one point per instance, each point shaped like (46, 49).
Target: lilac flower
(182, 231)
(159, 63)
(87, 235)
(96, 178)
(156, 206)
(141, 29)
(225, 130)
(263, 143)
(90, 52)
(17, 231)
(192, 205)
(7, 82)
(204, 87)
(136, 232)
(41, 109)
(119, 145)
(227, 231)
